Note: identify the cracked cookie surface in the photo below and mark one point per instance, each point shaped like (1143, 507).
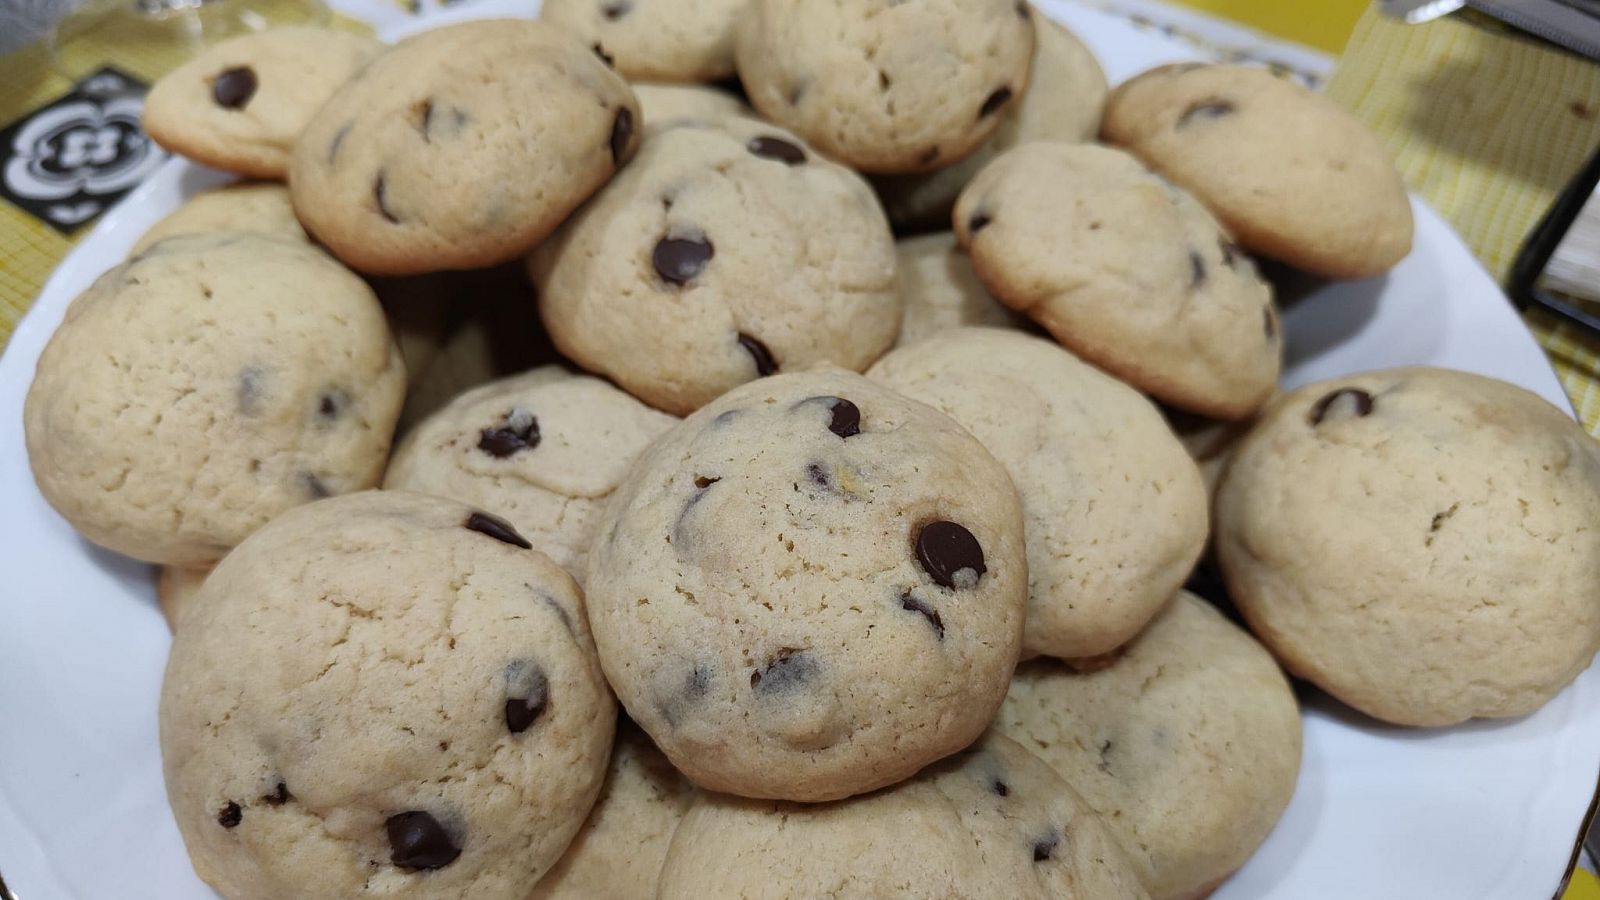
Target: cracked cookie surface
(384, 694)
(1420, 543)
(810, 588)
(1187, 744)
(206, 385)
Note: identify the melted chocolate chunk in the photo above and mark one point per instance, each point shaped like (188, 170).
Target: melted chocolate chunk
(765, 364)
(331, 404)
(1045, 847)
(418, 841)
(520, 432)
(1209, 108)
(1352, 400)
(778, 149)
(279, 796)
(680, 260)
(978, 222)
(1197, 270)
(789, 670)
(993, 102)
(616, 10)
(313, 485)
(611, 63)
(845, 418)
(497, 528)
(702, 482)
(527, 694)
(1001, 788)
(233, 88)
(230, 816)
(908, 602)
(945, 550)
(621, 133)
(379, 196)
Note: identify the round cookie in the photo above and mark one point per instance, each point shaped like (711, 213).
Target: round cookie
(1187, 745)
(1127, 271)
(241, 103)
(883, 85)
(206, 385)
(544, 450)
(461, 148)
(1114, 509)
(1420, 543)
(1066, 91)
(260, 206)
(619, 851)
(722, 254)
(992, 821)
(665, 104)
(383, 694)
(176, 588)
(1292, 174)
(811, 588)
(663, 40)
(939, 290)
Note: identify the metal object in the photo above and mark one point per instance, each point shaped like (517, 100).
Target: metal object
(1415, 12)
(1573, 24)
(1524, 285)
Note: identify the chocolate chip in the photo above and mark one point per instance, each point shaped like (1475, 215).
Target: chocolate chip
(338, 139)
(1197, 269)
(978, 222)
(1353, 399)
(520, 432)
(1022, 9)
(946, 550)
(313, 485)
(497, 528)
(797, 90)
(1209, 108)
(250, 389)
(679, 260)
(817, 474)
(702, 482)
(1045, 847)
(621, 134)
(1001, 788)
(765, 364)
(424, 112)
(331, 404)
(418, 841)
(527, 694)
(230, 815)
(1270, 322)
(233, 88)
(616, 10)
(789, 670)
(845, 418)
(379, 196)
(992, 103)
(928, 156)
(908, 602)
(611, 63)
(1230, 252)
(279, 796)
(778, 149)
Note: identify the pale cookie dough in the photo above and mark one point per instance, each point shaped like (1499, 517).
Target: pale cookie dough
(1187, 745)
(241, 103)
(176, 588)
(384, 695)
(1065, 95)
(665, 104)
(722, 254)
(1115, 510)
(939, 290)
(1293, 175)
(664, 40)
(883, 85)
(618, 852)
(461, 148)
(811, 588)
(1420, 543)
(992, 821)
(1127, 271)
(260, 206)
(206, 385)
(544, 450)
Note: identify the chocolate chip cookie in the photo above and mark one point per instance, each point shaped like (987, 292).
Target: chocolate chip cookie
(176, 588)
(1115, 510)
(206, 385)
(260, 206)
(992, 821)
(1187, 745)
(461, 147)
(1293, 175)
(940, 291)
(1127, 271)
(1420, 543)
(664, 104)
(240, 104)
(811, 588)
(1066, 91)
(724, 253)
(883, 85)
(384, 694)
(544, 450)
(663, 40)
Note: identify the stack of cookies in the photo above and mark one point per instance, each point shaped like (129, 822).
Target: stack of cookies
(824, 419)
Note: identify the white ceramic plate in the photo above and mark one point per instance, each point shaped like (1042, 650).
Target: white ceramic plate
(1485, 810)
